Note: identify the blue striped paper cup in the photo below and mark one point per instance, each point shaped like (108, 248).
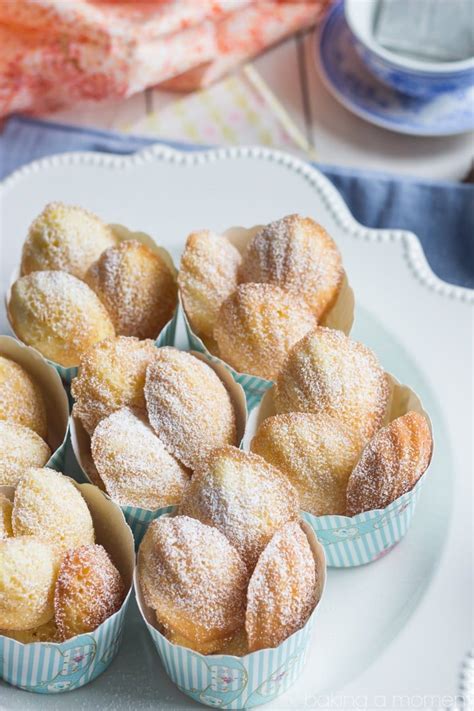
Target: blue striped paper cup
(50, 668)
(340, 317)
(139, 518)
(167, 335)
(356, 540)
(229, 682)
(54, 395)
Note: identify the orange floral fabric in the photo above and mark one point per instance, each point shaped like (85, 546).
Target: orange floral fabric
(56, 52)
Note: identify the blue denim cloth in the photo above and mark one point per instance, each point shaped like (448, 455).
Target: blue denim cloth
(441, 213)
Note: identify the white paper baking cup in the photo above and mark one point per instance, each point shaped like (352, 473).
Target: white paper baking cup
(52, 390)
(340, 317)
(355, 540)
(229, 682)
(167, 335)
(136, 517)
(48, 667)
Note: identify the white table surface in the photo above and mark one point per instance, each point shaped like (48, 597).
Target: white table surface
(337, 136)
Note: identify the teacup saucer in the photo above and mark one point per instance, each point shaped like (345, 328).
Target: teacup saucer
(351, 83)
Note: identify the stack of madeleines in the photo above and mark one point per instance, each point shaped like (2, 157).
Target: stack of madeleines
(23, 423)
(80, 284)
(328, 437)
(250, 310)
(148, 413)
(55, 581)
(233, 571)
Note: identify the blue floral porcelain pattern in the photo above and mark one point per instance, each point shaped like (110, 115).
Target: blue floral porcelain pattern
(349, 79)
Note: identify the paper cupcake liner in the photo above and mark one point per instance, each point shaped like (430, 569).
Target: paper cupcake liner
(49, 668)
(229, 682)
(136, 517)
(340, 317)
(54, 395)
(350, 541)
(166, 337)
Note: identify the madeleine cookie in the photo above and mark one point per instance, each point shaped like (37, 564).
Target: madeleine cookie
(133, 463)
(327, 372)
(207, 276)
(316, 452)
(48, 505)
(65, 238)
(194, 580)
(88, 591)
(20, 448)
(258, 325)
(297, 254)
(391, 464)
(188, 406)
(28, 571)
(111, 376)
(44, 633)
(282, 591)
(137, 287)
(58, 314)
(6, 507)
(242, 496)
(21, 400)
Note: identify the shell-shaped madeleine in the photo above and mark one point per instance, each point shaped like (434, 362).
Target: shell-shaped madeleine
(194, 580)
(65, 238)
(89, 589)
(296, 253)
(282, 591)
(207, 276)
(21, 400)
(133, 463)
(28, 570)
(329, 372)
(48, 505)
(188, 406)
(391, 464)
(258, 325)
(20, 448)
(58, 314)
(137, 287)
(242, 496)
(111, 376)
(316, 452)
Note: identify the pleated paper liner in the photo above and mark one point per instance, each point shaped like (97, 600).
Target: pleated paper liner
(166, 337)
(54, 395)
(229, 682)
(340, 317)
(136, 517)
(351, 541)
(49, 667)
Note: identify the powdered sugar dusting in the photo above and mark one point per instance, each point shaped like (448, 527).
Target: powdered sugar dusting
(316, 452)
(66, 238)
(137, 288)
(258, 325)
(20, 448)
(298, 254)
(58, 314)
(193, 578)
(111, 376)
(282, 591)
(89, 589)
(188, 406)
(207, 276)
(242, 496)
(329, 372)
(391, 464)
(21, 400)
(133, 463)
